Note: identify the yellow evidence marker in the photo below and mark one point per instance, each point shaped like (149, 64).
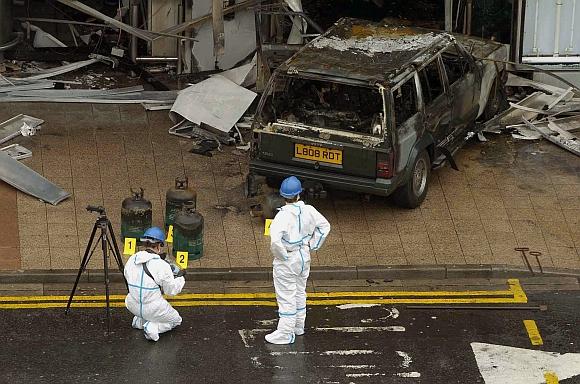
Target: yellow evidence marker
(267, 227)
(130, 246)
(181, 259)
(169, 234)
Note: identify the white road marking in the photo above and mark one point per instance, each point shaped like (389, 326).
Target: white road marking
(402, 374)
(406, 359)
(364, 374)
(345, 352)
(248, 335)
(267, 322)
(393, 328)
(408, 374)
(351, 352)
(500, 364)
(290, 353)
(256, 362)
(244, 337)
(352, 306)
(394, 313)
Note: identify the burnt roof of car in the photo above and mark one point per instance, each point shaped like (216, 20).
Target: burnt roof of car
(363, 50)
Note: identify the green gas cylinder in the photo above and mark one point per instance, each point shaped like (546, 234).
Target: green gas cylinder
(188, 232)
(175, 198)
(136, 215)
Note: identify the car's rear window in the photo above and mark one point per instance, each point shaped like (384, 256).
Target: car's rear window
(327, 105)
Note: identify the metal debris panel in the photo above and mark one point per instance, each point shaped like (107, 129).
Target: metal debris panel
(364, 50)
(25, 179)
(12, 128)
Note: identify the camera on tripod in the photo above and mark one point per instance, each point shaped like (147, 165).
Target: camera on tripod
(96, 208)
(108, 243)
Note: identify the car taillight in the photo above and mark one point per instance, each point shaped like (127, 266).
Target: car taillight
(385, 165)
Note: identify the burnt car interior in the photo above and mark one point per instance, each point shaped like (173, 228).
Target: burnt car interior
(431, 82)
(405, 99)
(455, 65)
(327, 105)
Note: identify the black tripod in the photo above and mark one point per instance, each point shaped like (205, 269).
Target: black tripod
(108, 242)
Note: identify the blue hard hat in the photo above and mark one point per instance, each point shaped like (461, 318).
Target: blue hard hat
(290, 187)
(154, 235)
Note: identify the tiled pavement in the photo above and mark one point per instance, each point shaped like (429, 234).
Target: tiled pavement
(507, 194)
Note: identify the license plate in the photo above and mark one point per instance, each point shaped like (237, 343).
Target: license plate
(320, 154)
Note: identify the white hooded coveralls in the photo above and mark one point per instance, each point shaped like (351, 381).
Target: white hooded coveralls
(296, 229)
(145, 300)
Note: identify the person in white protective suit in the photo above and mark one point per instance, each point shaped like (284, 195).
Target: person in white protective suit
(296, 229)
(149, 276)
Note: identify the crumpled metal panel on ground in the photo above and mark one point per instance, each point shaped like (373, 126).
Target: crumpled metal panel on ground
(25, 179)
(13, 127)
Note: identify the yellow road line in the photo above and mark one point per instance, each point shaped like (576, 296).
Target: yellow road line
(517, 290)
(551, 377)
(515, 294)
(267, 303)
(533, 332)
(187, 296)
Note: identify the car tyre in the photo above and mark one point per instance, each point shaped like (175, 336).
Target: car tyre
(413, 192)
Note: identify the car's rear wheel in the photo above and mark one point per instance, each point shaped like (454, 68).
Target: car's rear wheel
(413, 192)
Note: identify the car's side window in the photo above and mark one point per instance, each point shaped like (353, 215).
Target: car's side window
(405, 101)
(431, 82)
(455, 65)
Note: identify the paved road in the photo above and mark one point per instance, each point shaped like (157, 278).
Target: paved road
(217, 344)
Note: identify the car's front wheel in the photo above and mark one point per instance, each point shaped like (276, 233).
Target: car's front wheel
(413, 192)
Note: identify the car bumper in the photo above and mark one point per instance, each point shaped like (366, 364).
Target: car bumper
(381, 187)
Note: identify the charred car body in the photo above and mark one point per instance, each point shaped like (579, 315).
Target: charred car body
(372, 108)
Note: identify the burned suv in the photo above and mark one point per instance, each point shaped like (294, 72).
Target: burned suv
(372, 108)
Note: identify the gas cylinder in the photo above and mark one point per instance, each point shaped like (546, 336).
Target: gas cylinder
(175, 198)
(136, 215)
(188, 232)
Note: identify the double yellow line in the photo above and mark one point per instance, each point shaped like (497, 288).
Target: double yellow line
(513, 295)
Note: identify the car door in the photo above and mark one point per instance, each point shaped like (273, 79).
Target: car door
(462, 77)
(435, 99)
(407, 118)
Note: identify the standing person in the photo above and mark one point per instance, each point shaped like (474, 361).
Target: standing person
(149, 276)
(296, 229)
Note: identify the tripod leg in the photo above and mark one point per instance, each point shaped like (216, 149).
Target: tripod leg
(116, 252)
(84, 263)
(119, 264)
(104, 246)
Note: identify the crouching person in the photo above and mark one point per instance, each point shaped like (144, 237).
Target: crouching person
(149, 276)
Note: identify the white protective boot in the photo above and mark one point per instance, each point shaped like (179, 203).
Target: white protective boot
(151, 331)
(137, 322)
(280, 338)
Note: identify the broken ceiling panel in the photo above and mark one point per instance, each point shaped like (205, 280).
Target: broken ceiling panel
(557, 135)
(28, 181)
(217, 102)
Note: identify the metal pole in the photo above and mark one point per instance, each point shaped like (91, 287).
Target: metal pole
(468, 12)
(571, 47)
(557, 30)
(448, 15)
(537, 16)
(180, 16)
(134, 23)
